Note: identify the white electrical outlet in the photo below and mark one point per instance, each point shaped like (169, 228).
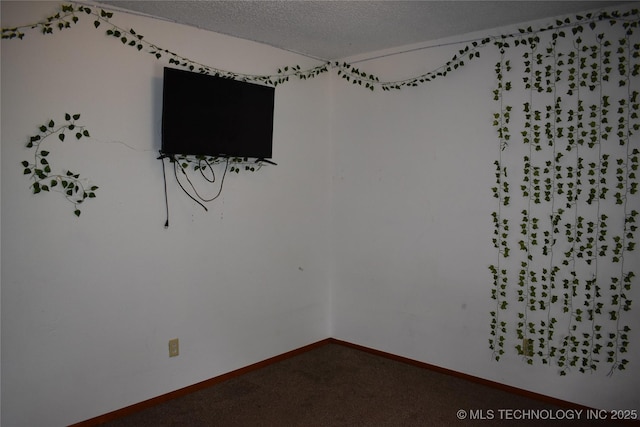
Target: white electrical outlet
(174, 347)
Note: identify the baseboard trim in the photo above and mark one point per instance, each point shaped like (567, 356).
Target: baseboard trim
(221, 378)
(123, 412)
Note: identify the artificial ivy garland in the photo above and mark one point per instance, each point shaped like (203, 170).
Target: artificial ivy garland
(39, 170)
(129, 37)
(69, 15)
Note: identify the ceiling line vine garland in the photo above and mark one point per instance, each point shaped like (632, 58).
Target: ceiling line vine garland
(68, 15)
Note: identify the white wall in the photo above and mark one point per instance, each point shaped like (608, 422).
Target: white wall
(374, 228)
(89, 303)
(412, 225)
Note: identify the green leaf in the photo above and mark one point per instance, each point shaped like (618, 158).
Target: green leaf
(67, 116)
(61, 137)
(76, 116)
(77, 212)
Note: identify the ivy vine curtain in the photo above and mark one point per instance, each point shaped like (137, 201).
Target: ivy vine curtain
(566, 192)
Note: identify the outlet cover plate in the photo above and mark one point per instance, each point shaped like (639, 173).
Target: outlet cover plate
(174, 347)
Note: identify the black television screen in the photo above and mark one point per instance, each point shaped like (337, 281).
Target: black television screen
(215, 116)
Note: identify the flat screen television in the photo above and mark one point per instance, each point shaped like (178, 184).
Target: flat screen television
(215, 116)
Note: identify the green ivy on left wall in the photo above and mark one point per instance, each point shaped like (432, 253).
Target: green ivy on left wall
(69, 183)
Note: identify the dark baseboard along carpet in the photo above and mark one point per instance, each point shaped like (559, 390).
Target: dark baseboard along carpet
(335, 385)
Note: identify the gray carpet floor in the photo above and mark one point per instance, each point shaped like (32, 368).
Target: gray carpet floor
(336, 385)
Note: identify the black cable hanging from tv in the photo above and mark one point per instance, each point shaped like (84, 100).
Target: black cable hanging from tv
(166, 197)
(200, 200)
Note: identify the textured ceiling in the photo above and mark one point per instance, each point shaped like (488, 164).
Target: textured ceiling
(337, 29)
